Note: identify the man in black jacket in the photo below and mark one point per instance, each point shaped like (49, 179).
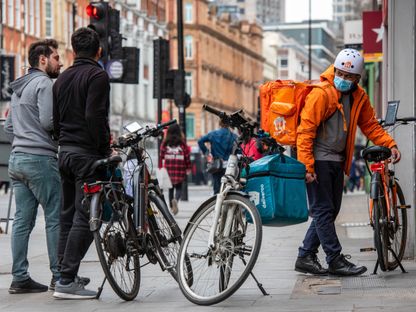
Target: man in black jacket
(81, 107)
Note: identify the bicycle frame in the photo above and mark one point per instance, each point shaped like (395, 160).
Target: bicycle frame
(228, 182)
(140, 198)
(381, 175)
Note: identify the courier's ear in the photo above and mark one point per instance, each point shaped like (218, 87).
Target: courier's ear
(99, 52)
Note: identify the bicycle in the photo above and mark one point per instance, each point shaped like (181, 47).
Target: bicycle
(126, 228)
(222, 240)
(387, 207)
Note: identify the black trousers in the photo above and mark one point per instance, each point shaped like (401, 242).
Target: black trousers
(178, 192)
(216, 181)
(325, 196)
(75, 236)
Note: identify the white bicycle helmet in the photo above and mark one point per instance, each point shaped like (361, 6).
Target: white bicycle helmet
(350, 61)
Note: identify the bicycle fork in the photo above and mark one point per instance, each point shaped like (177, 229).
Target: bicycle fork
(217, 213)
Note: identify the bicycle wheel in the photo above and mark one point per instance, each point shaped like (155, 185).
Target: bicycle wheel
(117, 249)
(381, 239)
(219, 271)
(166, 234)
(397, 229)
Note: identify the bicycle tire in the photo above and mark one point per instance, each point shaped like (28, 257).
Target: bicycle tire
(397, 235)
(166, 234)
(195, 247)
(380, 232)
(116, 244)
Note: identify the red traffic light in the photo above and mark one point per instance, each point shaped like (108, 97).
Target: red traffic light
(96, 10)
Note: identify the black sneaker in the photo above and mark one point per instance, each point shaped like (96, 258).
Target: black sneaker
(340, 266)
(310, 264)
(83, 280)
(27, 286)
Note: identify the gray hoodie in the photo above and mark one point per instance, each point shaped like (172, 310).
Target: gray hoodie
(29, 122)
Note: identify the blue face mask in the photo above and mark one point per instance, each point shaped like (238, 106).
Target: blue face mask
(343, 85)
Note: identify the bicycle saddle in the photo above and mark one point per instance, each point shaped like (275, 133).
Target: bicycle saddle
(112, 160)
(376, 153)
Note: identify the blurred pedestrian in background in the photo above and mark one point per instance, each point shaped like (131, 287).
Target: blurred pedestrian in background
(174, 154)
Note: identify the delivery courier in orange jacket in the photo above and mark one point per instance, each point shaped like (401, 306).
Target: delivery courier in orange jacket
(325, 144)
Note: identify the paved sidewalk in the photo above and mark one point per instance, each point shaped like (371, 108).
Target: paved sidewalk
(289, 290)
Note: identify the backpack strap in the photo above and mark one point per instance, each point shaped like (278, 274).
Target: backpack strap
(327, 87)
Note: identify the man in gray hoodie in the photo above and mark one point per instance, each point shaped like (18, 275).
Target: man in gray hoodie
(33, 167)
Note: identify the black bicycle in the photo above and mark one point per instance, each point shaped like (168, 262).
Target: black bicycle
(128, 227)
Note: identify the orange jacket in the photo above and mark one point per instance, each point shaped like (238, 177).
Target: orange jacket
(320, 104)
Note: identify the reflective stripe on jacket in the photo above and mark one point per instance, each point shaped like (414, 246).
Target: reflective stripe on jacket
(320, 105)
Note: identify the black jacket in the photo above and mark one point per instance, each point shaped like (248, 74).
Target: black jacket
(80, 108)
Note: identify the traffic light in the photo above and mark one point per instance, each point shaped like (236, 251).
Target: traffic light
(99, 21)
(115, 38)
(162, 78)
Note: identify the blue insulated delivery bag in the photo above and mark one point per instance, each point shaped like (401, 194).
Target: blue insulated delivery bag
(276, 185)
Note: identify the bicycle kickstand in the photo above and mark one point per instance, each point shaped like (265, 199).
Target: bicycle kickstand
(259, 285)
(398, 261)
(100, 289)
(375, 268)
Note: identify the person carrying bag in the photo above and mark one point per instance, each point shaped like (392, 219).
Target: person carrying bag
(221, 141)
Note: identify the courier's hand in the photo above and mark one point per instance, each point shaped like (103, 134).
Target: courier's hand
(310, 177)
(395, 154)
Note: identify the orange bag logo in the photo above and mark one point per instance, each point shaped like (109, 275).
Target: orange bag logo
(279, 126)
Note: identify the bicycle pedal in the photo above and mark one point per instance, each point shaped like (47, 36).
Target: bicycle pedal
(367, 249)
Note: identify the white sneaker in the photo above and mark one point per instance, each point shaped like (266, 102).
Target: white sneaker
(74, 290)
(174, 206)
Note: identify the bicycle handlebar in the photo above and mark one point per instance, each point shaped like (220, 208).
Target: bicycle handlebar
(403, 120)
(135, 137)
(214, 111)
(406, 119)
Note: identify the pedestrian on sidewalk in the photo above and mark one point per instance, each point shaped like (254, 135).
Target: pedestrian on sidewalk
(174, 154)
(221, 141)
(33, 167)
(325, 144)
(81, 106)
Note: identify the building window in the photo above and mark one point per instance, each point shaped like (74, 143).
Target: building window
(283, 63)
(17, 9)
(188, 12)
(10, 13)
(48, 18)
(190, 126)
(32, 17)
(242, 11)
(26, 17)
(37, 18)
(3, 11)
(188, 47)
(188, 83)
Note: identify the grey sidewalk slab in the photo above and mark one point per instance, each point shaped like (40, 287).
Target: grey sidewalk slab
(289, 291)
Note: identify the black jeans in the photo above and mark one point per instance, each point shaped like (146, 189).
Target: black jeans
(178, 192)
(216, 181)
(75, 236)
(325, 196)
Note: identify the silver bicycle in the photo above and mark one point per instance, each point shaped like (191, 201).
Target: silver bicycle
(222, 240)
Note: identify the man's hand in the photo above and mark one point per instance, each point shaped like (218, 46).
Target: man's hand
(310, 177)
(210, 158)
(395, 154)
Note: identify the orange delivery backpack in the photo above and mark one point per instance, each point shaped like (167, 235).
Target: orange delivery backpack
(281, 103)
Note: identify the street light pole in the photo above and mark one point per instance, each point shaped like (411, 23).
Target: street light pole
(1, 26)
(180, 98)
